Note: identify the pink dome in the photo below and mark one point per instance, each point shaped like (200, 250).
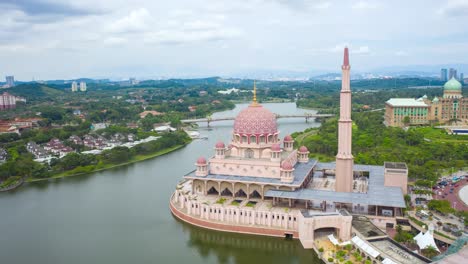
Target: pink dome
(255, 120)
(220, 144)
(276, 147)
(303, 149)
(201, 161)
(288, 138)
(286, 165)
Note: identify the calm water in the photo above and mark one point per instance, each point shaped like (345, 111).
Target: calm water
(122, 215)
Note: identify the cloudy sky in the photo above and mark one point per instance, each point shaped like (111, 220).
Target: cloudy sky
(51, 39)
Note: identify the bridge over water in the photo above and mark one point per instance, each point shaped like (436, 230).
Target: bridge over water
(208, 120)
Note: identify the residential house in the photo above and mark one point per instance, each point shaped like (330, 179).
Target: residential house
(38, 151)
(3, 155)
(76, 140)
(154, 113)
(192, 108)
(131, 137)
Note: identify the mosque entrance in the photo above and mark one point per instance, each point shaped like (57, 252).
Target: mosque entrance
(213, 191)
(324, 232)
(226, 192)
(240, 193)
(255, 194)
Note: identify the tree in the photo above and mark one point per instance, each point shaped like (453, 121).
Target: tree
(117, 155)
(402, 236)
(429, 252)
(406, 120)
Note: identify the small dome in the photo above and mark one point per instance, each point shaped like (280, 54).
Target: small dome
(255, 120)
(288, 138)
(201, 161)
(452, 85)
(303, 149)
(435, 100)
(276, 147)
(286, 165)
(424, 97)
(220, 144)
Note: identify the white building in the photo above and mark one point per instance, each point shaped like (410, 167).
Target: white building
(83, 86)
(74, 87)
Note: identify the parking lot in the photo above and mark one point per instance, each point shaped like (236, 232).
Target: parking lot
(450, 192)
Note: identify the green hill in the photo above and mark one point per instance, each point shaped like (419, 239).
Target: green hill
(35, 91)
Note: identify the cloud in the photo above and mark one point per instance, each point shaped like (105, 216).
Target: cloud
(401, 53)
(137, 21)
(42, 7)
(340, 47)
(115, 41)
(305, 4)
(201, 25)
(455, 8)
(364, 5)
(178, 37)
(361, 50)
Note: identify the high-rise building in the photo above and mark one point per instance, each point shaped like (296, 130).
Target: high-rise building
(7, 101)
(74, 87)
(443, 75)
(452, 73)
(344, 158)
(83, 86)
(462, 78)
(10, 81)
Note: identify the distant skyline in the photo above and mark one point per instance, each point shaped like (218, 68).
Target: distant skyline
(61, 39)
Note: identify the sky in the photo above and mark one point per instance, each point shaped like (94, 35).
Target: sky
(62, 39)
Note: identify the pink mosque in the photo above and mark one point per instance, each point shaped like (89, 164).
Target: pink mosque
(261, 184)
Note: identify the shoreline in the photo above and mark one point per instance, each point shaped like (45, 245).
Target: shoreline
(14, 186)
(136, 160)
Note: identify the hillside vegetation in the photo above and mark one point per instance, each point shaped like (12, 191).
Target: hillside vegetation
(426, 150)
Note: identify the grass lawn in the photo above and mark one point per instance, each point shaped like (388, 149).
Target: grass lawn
(440, 135)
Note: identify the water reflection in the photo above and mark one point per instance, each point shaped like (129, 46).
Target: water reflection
(241, 248)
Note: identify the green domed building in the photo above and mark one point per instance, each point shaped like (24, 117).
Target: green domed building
(452, 106)
(453, 89)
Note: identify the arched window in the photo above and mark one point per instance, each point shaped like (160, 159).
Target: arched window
(253, 139)
(244, 139)
(249, 153)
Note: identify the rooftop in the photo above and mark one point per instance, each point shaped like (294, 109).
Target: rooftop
(396, 252)
(395, 165)
(301, 170)
(406, 102)
(366, 228)
(377, 194)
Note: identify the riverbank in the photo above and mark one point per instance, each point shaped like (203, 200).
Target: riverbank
(11, 183)
(136, 159)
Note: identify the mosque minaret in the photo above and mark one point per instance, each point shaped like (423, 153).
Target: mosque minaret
(344, 158)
